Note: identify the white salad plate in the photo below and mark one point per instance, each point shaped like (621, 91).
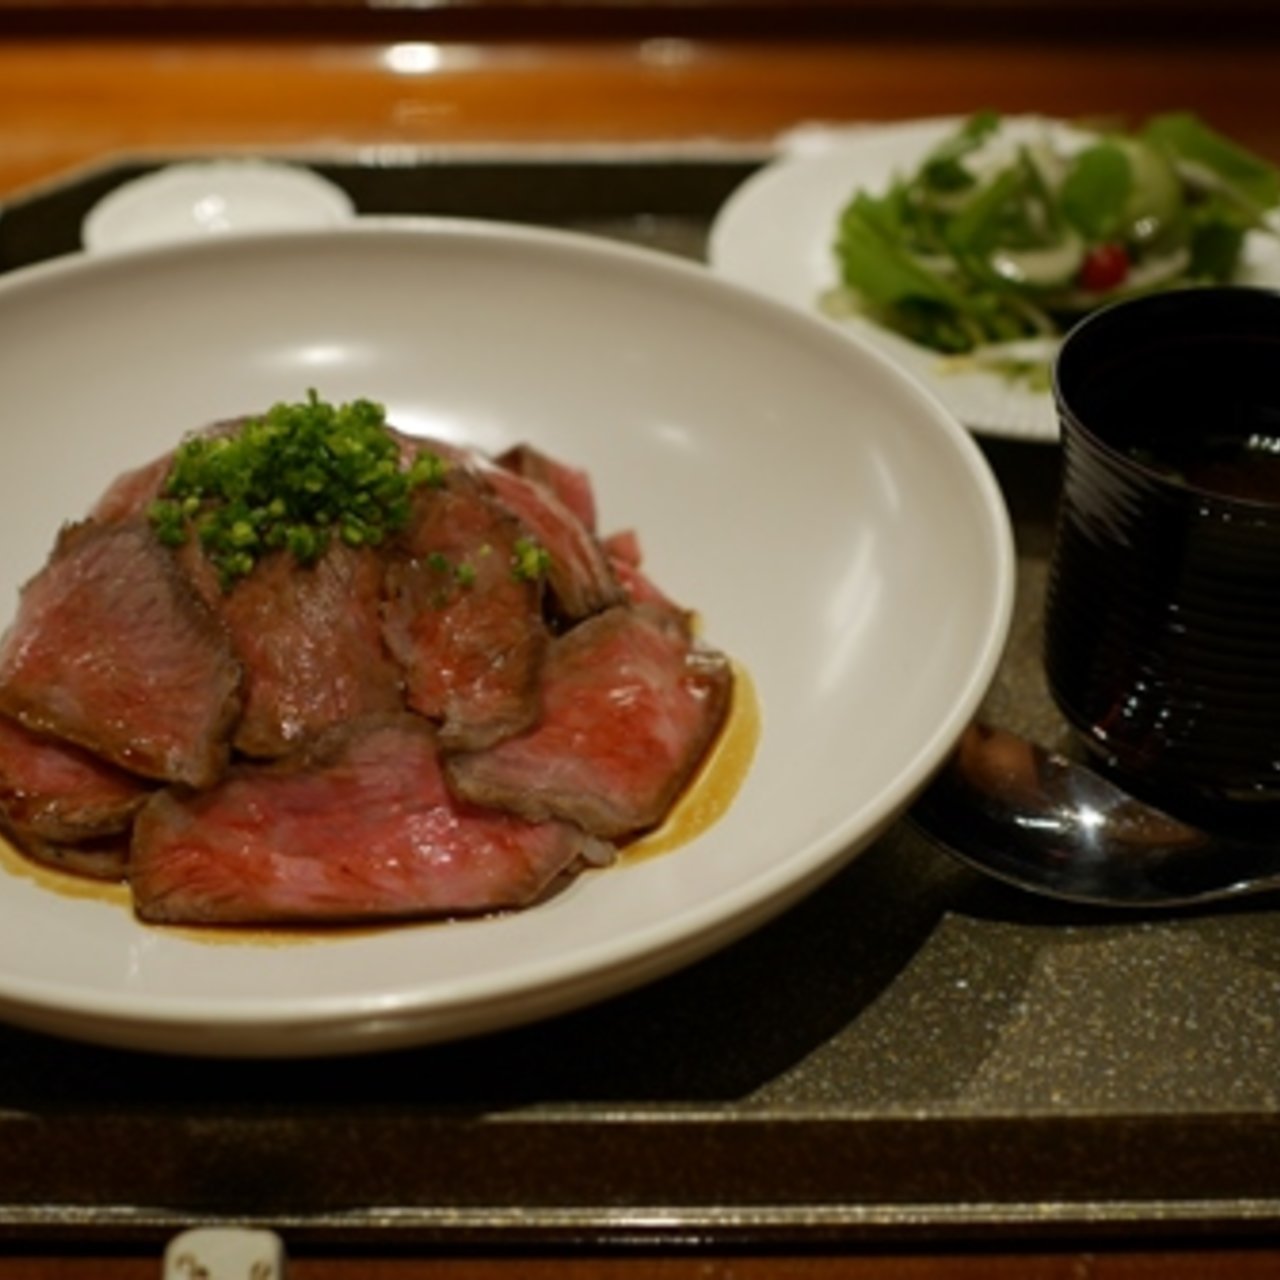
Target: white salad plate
(213, 197)
(835, 528)
(776, 233)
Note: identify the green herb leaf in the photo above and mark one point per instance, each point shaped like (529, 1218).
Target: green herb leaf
(1243, 176)
(1216, 244)
(944, 169)
(874, 263)
(1096, 191)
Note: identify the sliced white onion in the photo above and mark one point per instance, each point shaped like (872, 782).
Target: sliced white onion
(1042, 268)
(1158, 270)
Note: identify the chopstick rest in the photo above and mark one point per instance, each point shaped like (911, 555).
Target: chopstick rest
(225, 1253)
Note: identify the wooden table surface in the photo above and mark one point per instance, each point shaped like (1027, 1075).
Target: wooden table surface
(68, 100)
(90, 84)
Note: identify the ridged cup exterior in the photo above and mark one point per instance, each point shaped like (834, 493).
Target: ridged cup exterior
(1162, 636)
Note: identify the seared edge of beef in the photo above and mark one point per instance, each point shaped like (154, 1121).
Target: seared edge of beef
(580, 578)
(105, 859)
(133, 491)
(571, 485)
(114, 650)
(630, 705)
(627, 558)
(55, 791)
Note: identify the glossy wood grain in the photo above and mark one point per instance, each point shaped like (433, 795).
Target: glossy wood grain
(68, 103)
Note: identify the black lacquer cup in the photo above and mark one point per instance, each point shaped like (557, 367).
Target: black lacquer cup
(1162, 635)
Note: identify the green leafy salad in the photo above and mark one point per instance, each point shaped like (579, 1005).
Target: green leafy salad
(998, 241)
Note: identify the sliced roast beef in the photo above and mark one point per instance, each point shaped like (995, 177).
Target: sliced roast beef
(54, 791)
(102, 859)
(412, 446)
(626, 557)
(449, 724)
(114, 650)
(467, 630)
(361, 828)
(310, 642)
(579, 576)
(630, 705)
(571, 485)
(132, 492)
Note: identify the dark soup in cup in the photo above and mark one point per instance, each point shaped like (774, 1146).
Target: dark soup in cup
(1162, 638)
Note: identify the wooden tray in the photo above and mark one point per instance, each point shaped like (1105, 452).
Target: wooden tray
(911, 1054)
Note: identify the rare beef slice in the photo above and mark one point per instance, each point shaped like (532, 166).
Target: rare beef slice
(63, 806)
(112, 649)
(467, 630)
(362, 827)
(580, 579)
(630, 704)
(309, 639)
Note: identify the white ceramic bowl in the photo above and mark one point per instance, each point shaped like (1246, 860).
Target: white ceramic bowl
(212, 198)
(838, 532)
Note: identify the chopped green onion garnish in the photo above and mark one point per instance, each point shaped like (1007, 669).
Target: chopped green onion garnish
(530, 560)
(291, 479)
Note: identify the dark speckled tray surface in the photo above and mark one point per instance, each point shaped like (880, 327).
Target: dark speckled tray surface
(913, 1053)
